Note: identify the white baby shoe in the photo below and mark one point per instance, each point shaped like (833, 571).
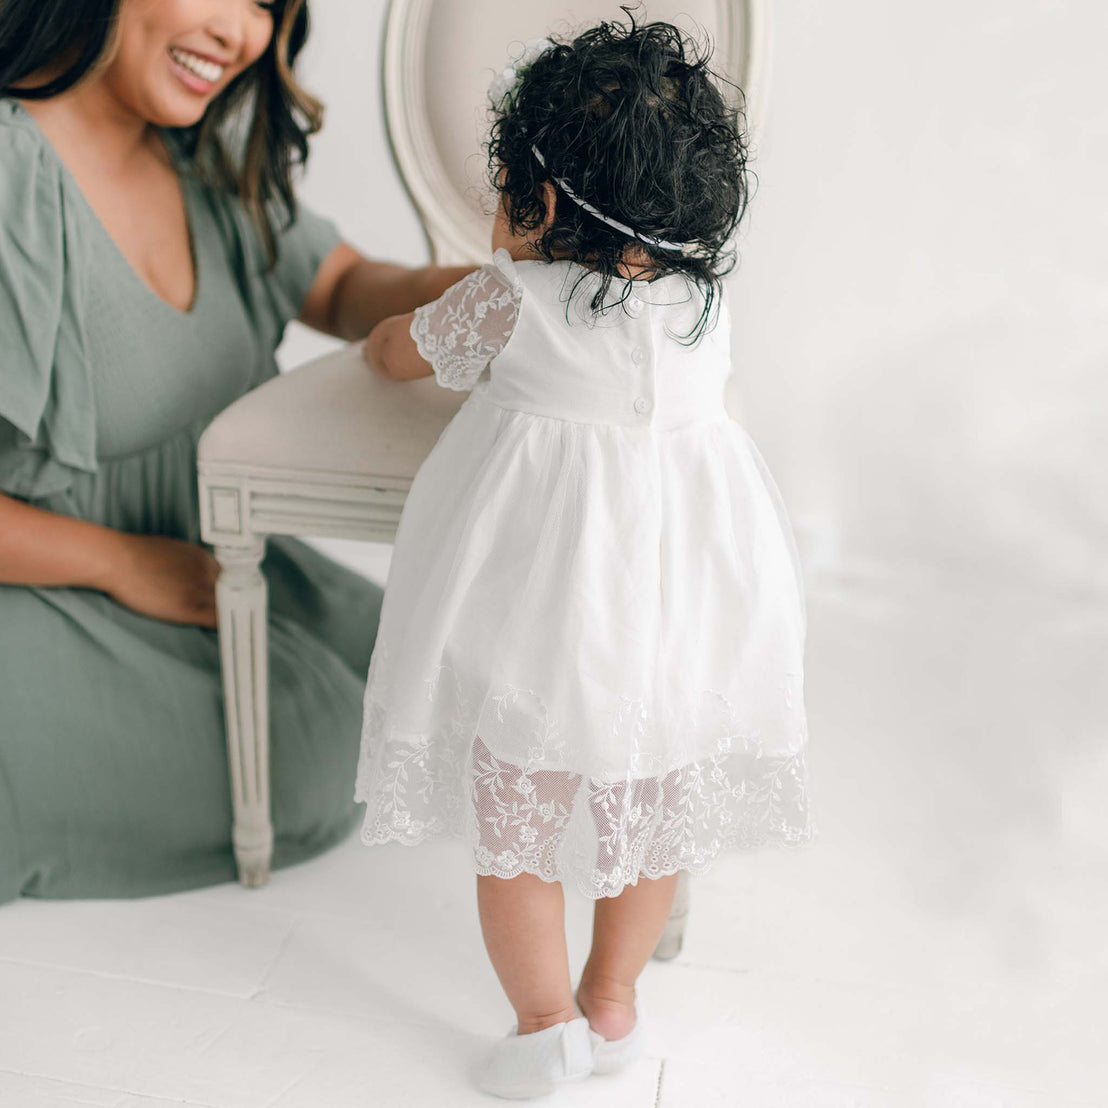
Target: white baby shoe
(611, 1055)
(524, 1066)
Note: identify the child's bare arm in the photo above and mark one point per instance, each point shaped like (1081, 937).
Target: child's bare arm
(391, 350)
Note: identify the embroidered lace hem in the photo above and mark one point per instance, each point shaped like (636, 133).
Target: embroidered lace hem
(598, 884)
(598, 835)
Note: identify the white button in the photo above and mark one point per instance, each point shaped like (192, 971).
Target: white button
(637, 355)
(642, 405)
(635, 304)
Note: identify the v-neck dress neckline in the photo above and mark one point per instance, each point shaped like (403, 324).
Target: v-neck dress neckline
(185, 184)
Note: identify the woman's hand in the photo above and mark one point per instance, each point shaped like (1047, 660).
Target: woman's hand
(159, 577)
(165, 579)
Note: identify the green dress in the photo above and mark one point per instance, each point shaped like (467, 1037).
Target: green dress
(113, 766)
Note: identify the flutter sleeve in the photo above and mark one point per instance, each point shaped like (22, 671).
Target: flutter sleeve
(47, 413)
(469, 325)
(301, 250)
(272, 293)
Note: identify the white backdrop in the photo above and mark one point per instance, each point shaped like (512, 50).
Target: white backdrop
(921, 305)
(922, 344)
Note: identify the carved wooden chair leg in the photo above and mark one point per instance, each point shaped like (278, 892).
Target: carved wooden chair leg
(241, 603)
(669, 945)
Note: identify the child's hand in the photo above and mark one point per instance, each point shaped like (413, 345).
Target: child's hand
(371, 350)
(391, 350)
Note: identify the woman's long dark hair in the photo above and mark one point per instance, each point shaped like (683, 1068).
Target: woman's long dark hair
(34, 33)
(270, 113)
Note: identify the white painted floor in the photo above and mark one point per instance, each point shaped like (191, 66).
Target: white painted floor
(943, 945)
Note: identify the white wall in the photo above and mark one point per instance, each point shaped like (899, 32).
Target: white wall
(922, 302)
(351, 176)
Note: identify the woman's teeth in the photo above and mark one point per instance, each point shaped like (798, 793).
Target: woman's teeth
(205, 70)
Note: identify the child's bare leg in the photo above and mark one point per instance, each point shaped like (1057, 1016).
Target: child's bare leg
(626, 929)
(523, 921)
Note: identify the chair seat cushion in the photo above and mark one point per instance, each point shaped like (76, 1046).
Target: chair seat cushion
(332, 415)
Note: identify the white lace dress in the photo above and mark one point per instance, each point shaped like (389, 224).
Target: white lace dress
(590, 657)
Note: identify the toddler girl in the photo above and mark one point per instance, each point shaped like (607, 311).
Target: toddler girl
(590, 655)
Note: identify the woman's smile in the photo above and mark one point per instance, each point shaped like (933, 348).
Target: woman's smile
(174, 57)
(197, 73)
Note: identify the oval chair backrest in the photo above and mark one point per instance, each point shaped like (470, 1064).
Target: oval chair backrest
(441, 54)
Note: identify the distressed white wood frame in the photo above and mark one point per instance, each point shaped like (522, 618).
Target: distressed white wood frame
(455, 229)
(243, 500)
(240, 506)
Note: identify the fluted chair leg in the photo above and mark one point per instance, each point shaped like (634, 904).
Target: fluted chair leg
(241, 603)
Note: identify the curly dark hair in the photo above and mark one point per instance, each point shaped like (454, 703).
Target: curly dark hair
(633, 121)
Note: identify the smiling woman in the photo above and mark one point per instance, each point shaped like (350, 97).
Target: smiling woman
(183, 67)
(151, 254)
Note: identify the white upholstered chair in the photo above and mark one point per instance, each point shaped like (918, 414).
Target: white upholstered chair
(331, 449)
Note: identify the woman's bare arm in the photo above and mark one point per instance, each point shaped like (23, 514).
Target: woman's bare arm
(163, 578)
(352, 294)
(39, 547)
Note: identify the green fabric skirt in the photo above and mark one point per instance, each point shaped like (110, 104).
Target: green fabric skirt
(113, 758)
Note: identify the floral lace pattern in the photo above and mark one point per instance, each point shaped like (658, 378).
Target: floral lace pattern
(462, 331)
(597, 834)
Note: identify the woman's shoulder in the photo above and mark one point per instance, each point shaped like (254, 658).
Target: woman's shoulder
(46, 399)
(25, 155)
(32, 208)
(15, 121)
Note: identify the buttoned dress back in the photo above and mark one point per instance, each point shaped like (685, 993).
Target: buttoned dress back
(590, 660)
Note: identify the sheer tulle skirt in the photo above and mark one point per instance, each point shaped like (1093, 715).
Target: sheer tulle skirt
(590, 658)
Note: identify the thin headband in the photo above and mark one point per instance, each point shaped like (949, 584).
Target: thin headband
(681, 247)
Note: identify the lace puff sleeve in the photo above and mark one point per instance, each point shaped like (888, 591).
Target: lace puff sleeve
(470, 324)
(47, 412)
